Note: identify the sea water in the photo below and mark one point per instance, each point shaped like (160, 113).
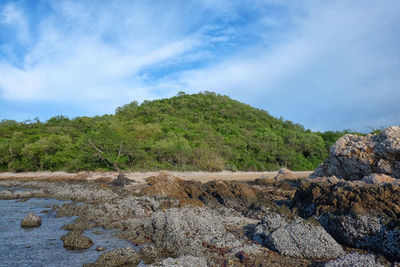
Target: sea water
(42, 246)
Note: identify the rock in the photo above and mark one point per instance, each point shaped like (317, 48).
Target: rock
(121, 180)
(352, 157)
(117, 257)
(377, 178)
(31, 220)
(283, 174)
(243, 257)
(75, 240)
(270, 222)
(184, 231)
(183, 261)
(354, 260)
(100, 248)
(305, 240)
(150, 254)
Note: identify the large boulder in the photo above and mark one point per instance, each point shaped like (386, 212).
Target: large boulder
(305, 240)
(352, 157)
(296, 238)
(31, 220)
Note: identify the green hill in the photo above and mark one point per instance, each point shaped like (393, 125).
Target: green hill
(203, 131)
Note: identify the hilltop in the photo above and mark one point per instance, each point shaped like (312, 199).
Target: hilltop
(203, 131)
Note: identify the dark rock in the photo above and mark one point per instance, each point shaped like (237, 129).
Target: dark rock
(31, 220)
(243, 257)
(75, 240)
(121, 180)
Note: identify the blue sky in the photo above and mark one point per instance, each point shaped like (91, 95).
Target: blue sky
(328, 65)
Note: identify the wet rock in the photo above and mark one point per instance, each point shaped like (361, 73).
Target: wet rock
(352, 157)
(31, 220)
(377, 178)
(75, 240)
(183, 261)
(100, 248)
(6, 194)
(354, 260)
(117, 257)
(305, 240)
(283, 174)
(121, 180)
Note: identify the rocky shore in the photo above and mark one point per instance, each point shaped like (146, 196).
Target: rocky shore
(346, 214)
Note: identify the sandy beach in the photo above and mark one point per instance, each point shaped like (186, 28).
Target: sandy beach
(140, 176)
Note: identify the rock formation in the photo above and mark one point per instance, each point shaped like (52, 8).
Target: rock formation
(352, 157)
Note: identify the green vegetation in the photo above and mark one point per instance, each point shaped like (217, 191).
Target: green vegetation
(203, 131)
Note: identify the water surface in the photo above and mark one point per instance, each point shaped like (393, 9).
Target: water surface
(42, 246)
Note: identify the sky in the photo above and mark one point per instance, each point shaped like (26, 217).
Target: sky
(328, 65)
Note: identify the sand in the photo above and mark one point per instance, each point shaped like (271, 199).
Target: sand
(140, 176)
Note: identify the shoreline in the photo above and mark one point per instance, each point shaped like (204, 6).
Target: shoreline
(140, 177)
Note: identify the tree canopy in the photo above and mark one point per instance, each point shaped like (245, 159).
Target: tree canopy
(202, 131)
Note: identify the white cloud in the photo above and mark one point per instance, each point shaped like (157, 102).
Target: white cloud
(323, 64)
(12, 16)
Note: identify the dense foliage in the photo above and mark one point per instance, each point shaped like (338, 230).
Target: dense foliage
(203, 131)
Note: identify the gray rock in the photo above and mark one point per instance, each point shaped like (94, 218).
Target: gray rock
(352, 157)
(183, 261)
(270, 222)
(304, 240)
(354, 260)
(75, 240)
(361, 231)
(182, 231)
(117, 257)
(31, 220)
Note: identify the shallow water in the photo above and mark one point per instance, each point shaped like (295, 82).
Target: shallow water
(42, 246)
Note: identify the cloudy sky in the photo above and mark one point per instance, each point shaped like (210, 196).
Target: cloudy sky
(328, 65)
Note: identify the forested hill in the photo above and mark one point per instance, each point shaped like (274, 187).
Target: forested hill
(203, 131)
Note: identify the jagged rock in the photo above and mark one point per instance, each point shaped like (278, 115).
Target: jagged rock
(283, 174)
(183, 261)
(31, 220)
(305, 240)
(121, 180)
(352, 157)
(354, 260)
(376, 178)
(359, 216)
(75, 240)
(117, 257)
